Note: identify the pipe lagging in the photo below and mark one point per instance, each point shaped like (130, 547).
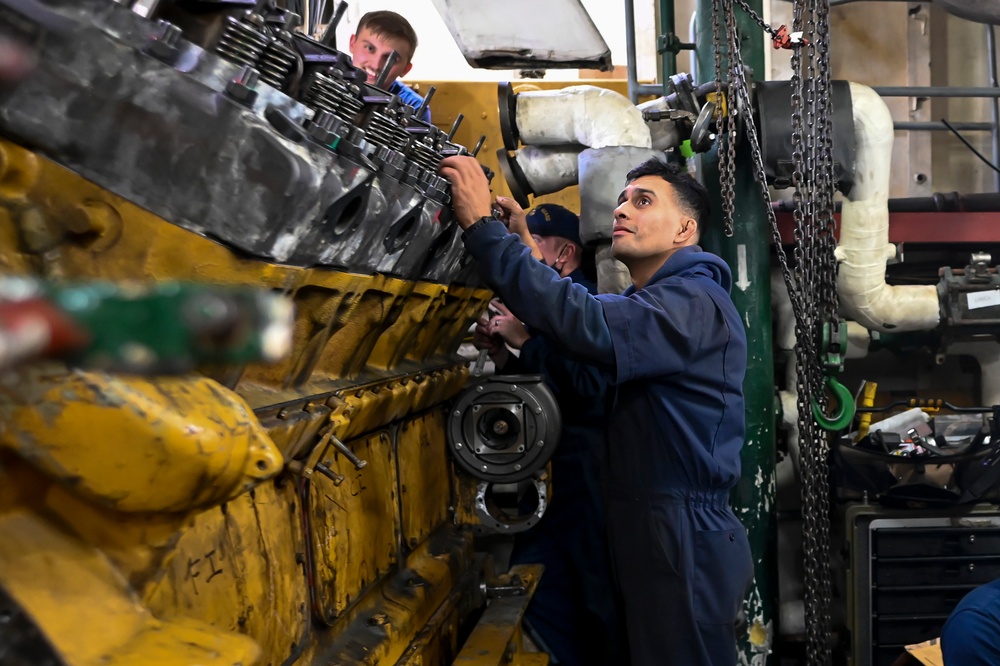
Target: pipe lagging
(864, 248)
(586, 115)
(549, 169)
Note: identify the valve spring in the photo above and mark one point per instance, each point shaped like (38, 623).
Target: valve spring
(241, 43)
(277, 64)
(425, 156)
(327, 93)
(384, 131)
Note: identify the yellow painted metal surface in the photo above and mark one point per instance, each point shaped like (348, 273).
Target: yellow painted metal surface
(399, 340)
(162, 444)
(239, 567)
(349, 348)
(424, 476)
(431, 583)
(324, 304)
(201, 519)
(353, 524)
(497, 638)
(88, 611)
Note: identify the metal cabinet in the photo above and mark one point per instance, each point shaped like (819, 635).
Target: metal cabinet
(907, 570)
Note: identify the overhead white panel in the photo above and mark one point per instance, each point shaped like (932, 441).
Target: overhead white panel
(525, 34)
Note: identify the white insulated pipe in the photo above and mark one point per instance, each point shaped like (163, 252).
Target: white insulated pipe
(587, 115)
(549, 169)
(864, 246)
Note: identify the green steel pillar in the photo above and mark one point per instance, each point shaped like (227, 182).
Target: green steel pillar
(664, 45)
(747, 253)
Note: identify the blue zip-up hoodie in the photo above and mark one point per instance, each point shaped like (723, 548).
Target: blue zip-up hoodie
(676, 350)
(410, 97)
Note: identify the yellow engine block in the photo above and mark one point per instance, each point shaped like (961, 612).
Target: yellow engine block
(287, 514)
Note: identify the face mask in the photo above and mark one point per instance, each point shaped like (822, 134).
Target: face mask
(555, 264)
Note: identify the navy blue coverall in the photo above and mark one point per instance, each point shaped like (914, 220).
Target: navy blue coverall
(574, 609)
(677, 353)
(971, 636)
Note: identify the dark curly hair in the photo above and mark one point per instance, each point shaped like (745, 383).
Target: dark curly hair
(691, 195)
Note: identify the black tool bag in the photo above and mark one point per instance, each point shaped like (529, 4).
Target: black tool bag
(969, 475)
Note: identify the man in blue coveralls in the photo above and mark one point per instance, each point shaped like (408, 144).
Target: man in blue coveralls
(971, 636)
(574, 610)
(676, 350)
(378, 34)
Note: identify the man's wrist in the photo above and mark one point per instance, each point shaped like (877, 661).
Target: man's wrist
(481, 222)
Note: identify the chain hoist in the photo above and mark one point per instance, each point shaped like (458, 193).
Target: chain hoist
(820, 338)
(725, 125)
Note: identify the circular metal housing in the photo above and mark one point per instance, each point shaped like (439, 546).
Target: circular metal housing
(519, 186)
(504, 429)
(703, 132)
(507, 103)
(495, 517)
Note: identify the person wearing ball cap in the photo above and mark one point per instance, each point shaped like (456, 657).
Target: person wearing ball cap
(573, 614)
(556, 232)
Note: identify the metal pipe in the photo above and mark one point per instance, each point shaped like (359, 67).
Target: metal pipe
(645, 89)
(936, 91)
(668, 59)
(748, 254)
(692, 37)
(632, 67)
(934, 126)
(863, 247)
(991, 51)
(939, 202)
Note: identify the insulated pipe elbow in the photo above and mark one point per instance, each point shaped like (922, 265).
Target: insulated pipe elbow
(585, 115)
(864, 245)
(548, 169)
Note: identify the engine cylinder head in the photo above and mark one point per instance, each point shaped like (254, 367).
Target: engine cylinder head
(385, 131)
(277, 64)
(242, 42)
(328, 93)
(425, 155)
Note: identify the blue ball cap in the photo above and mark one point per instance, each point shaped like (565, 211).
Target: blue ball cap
(554, 220)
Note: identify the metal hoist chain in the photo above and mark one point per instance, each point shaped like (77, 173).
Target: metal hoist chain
(814, 222)
(725, 127)
(812, 284)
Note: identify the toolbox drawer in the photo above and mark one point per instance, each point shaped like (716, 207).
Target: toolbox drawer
(929, 600)
(937, 542)
(909, 572)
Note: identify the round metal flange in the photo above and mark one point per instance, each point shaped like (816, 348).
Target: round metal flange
(703, 132)
(504, 429)
(495, 518)
(507, 103)
(514, 175)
